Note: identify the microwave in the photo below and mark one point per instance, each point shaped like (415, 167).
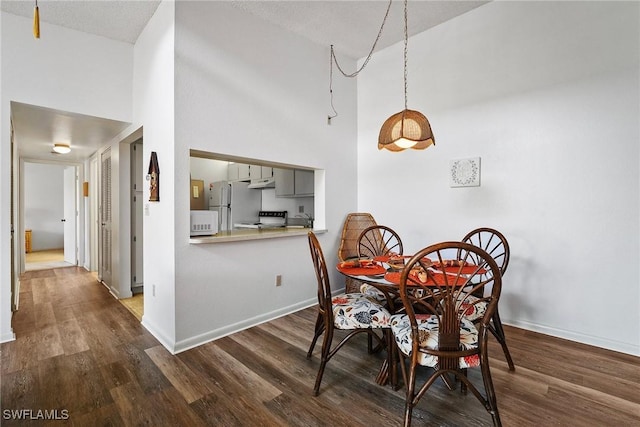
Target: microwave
(204, 223)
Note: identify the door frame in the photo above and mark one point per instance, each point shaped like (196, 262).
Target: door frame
(19, 235)
(91, 260)
(71, 254)
(137, 217)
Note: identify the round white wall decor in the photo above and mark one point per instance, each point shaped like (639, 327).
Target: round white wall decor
(464, 172)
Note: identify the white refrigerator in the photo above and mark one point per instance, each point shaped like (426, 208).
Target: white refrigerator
(234, 203)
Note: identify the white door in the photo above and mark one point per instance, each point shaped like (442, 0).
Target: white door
(69, 219)
(104, 253)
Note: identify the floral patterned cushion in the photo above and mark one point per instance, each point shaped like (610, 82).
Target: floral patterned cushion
(373, 293)
(474, 310)
(356, 311)
(428, 332)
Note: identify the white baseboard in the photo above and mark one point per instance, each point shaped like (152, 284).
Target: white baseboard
(195, 341)
(164, 340)
(9, 336)
(619, 346)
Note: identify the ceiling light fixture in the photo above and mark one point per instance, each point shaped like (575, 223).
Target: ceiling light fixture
(61, 148)
(408, 128)
(36, 21)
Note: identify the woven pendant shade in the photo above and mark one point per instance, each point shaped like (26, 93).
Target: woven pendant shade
(406, 129)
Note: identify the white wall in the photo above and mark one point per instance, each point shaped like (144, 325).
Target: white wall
(153, 98)
(65, 70)
(249, 89)
(547, 94)
(43, 205)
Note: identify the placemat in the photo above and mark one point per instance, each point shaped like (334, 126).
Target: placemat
(361, 271)
(434, 279)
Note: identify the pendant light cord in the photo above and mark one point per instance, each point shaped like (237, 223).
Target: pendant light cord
(406, 40)
(334, 60)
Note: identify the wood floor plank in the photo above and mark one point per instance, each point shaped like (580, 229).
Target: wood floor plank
(89, 385)
(44, 315)
(292, 409)
(105, 416)
(170, 409)
(25, 352)
(18, 389)
(63, 312)
(223, 409)
(49, 343)
(130, 401)
(115, 375)
(234, 371)
(40, 291)
(142, 369)
(72, 337)
(179, 374)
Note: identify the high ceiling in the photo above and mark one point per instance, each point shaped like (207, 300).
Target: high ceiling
(351, 26)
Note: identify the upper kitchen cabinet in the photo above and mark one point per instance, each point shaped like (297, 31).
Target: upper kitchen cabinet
(233, 172)
(293, 182)
(239, 172)
(266, 172)
(260, 172)
(245, 172)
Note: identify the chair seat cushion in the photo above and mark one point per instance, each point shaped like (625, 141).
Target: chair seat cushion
(474, 310)
(373, 293)
(428, 327)
(356, 311)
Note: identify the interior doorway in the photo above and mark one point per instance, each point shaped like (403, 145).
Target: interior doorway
(137, 173)
(49, 214)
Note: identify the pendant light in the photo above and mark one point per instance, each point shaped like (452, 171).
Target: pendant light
(408, 128)
(36, 21)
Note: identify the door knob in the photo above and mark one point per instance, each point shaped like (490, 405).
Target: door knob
(63, 220)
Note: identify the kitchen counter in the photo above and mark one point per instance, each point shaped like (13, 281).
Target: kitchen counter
(252, 234)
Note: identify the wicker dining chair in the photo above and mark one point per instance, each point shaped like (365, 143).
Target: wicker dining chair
(377, 240)
(352, 312)
(351, 229)
(433, 331)
(496, 245)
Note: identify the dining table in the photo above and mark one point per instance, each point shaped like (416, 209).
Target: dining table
(384, 273)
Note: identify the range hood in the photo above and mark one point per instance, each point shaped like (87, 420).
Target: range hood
(262, 183)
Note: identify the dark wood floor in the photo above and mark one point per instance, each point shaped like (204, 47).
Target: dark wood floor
(79, 350)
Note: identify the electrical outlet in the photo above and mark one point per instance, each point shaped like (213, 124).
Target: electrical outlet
(279, 280)
(300, 209)
(153, 290)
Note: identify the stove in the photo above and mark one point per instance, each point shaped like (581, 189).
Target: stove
(266, 219)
